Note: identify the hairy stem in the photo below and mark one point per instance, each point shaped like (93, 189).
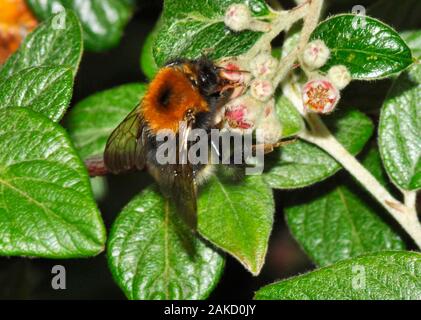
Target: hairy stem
(282, 22)
(405, 215)
(312, 10)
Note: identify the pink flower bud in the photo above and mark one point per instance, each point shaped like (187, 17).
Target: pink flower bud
(261, 89)
(269, 109)
(316, 54)
(340, 76)
(320, 96)
(269, 128)
(264, 65)
(238, 17)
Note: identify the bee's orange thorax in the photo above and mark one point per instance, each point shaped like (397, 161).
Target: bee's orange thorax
(168, 98)
(16, 20)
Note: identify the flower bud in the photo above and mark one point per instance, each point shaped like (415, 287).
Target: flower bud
(238, 17)
(261, 89)
(264, 65)
(316, 54)
(242, 114)
(269, 128)
(340, 76)
(320, 96)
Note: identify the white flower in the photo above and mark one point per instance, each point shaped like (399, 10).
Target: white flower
(340, 76)
(316, 54)
(320, 96)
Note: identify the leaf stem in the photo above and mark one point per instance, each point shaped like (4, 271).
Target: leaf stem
(405, 215)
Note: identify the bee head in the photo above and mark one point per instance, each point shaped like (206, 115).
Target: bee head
(208, 80)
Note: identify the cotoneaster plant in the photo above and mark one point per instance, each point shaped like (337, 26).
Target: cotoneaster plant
(293, 93)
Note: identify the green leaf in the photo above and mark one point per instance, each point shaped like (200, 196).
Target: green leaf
(193, 28)
(238, 218)
(152, 255)
(49, 45)
(333, 222)
(103, 21)
(413, 40)
(47, 90)
(46, 203)
(400, 131)
(372, 52)
(92, 120)
(292, 122)
(147, 60)
(301, 164)
(392, 275)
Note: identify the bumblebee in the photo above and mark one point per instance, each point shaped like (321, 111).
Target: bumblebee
(191, 92)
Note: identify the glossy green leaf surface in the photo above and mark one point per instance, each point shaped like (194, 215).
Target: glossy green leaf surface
(46, 203)
(46, 90)
(238, 217)
(92, 120)
(334, 222)
(301, 164)
(372, 162)
(103, 21)
(400, 130)
(153, 256)
(394, 275)
(413, 40)
(147, 60)
(193, 28)
(291, 120)
(56, 42)
(370, 51)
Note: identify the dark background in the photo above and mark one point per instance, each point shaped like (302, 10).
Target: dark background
(90, 278)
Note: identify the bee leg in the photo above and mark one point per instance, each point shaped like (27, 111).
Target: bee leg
(268, 148)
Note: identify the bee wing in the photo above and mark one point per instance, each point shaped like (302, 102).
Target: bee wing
(181, 187)
(125, 146)
(177, 181)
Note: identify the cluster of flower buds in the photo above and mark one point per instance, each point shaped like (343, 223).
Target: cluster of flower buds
(322, 94)
(238, 18)
(252, 106)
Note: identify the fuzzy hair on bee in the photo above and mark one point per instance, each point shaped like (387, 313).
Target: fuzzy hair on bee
(184, 95)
